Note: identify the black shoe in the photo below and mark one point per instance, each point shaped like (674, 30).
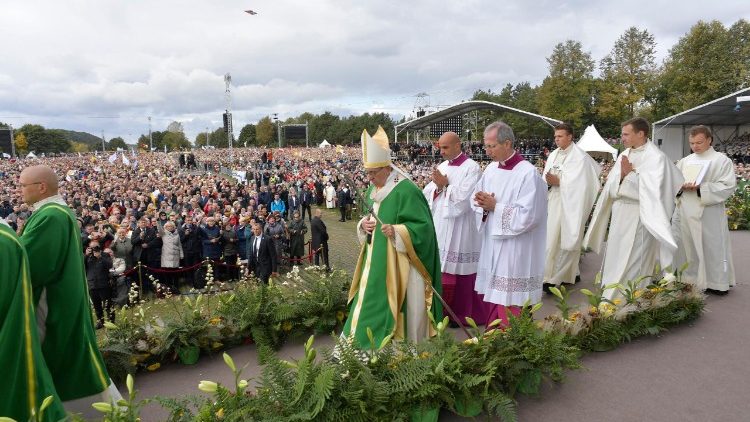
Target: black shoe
(546, 287)
(578, 279)
(717, 292)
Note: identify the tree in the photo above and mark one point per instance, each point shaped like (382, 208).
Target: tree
(41, 140)
(79, 147)
(247, 135)
(22, 144)
(115, 143)
(264, 131)
(143, 142)
(567, 92)
(321, 127)
(702, 67)
(628, 73)
(175, 141)
(218, 138)
(175, 127)
(200, 139)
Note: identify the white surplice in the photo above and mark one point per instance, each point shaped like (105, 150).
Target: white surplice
(330, 195)
(457, 236)
(569, 206)
(700, 224)
(511, 263)
(641, 205)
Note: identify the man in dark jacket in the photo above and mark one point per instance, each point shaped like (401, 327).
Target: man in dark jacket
(319, 240)
(261, 255)
(210, 235)
(146, 248)
(342, 198)
(97, 275)
(191, 247)
(306, 199)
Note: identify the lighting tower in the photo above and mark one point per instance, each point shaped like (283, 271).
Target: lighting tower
(228, 93)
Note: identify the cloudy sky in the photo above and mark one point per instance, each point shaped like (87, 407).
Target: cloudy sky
(105, 65)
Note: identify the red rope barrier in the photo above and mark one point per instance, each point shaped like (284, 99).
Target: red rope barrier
(178, 270)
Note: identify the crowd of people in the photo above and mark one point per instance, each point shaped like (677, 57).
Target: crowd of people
(495, 232)
(160, 212)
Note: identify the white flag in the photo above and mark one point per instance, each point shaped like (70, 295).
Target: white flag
(135, 164)
(79, 154)
(132, 152)
(112, 158)
(125, 160)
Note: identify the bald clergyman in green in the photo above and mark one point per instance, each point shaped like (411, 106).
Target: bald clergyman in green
(52, 240)
(26, 381)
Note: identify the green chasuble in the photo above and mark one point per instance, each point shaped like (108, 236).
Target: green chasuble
(26, 381)
(58, 276)
(377, 297)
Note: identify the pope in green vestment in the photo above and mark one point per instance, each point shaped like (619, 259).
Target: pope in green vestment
(26, 380)
(52, 240)
(398, 266)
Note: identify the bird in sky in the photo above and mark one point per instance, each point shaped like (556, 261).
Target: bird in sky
(251, 12)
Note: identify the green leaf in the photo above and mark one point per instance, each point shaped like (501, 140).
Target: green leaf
(555, 291)
(385, 341)
(530, 382)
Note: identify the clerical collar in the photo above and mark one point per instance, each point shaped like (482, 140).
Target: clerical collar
(510, 162)
(458, 160)
(640, 148)
(706, 152)
(57, 199)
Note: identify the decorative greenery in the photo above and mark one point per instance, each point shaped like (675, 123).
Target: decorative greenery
(738, 207)
(152, 333)
(405, 381)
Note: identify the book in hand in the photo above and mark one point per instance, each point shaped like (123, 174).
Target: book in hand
(694, 171)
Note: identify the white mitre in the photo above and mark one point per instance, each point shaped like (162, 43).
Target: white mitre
(375, 150)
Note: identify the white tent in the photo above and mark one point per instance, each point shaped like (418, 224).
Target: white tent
(593, 143)
(324, 144)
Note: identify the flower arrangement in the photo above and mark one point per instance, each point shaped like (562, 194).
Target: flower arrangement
(738, 207)
(168, 328)
(407, 381)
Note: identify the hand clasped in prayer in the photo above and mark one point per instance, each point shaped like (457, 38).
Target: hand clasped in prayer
(485, 200)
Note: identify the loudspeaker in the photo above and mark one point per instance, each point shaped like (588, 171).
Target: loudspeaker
(6, 145)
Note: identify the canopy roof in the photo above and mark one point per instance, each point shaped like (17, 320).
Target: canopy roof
(593, 143)
(463, 108)
(324, 144)
(722, 111)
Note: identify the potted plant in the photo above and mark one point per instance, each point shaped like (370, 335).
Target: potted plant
(184, 333)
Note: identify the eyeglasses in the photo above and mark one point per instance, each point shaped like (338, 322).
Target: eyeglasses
(23, 185)
(372, 173)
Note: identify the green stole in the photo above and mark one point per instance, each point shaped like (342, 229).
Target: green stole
(382, 272)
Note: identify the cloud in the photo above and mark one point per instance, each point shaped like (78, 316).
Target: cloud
(69, 64)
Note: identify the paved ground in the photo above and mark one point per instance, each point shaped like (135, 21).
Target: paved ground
(697, 372)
